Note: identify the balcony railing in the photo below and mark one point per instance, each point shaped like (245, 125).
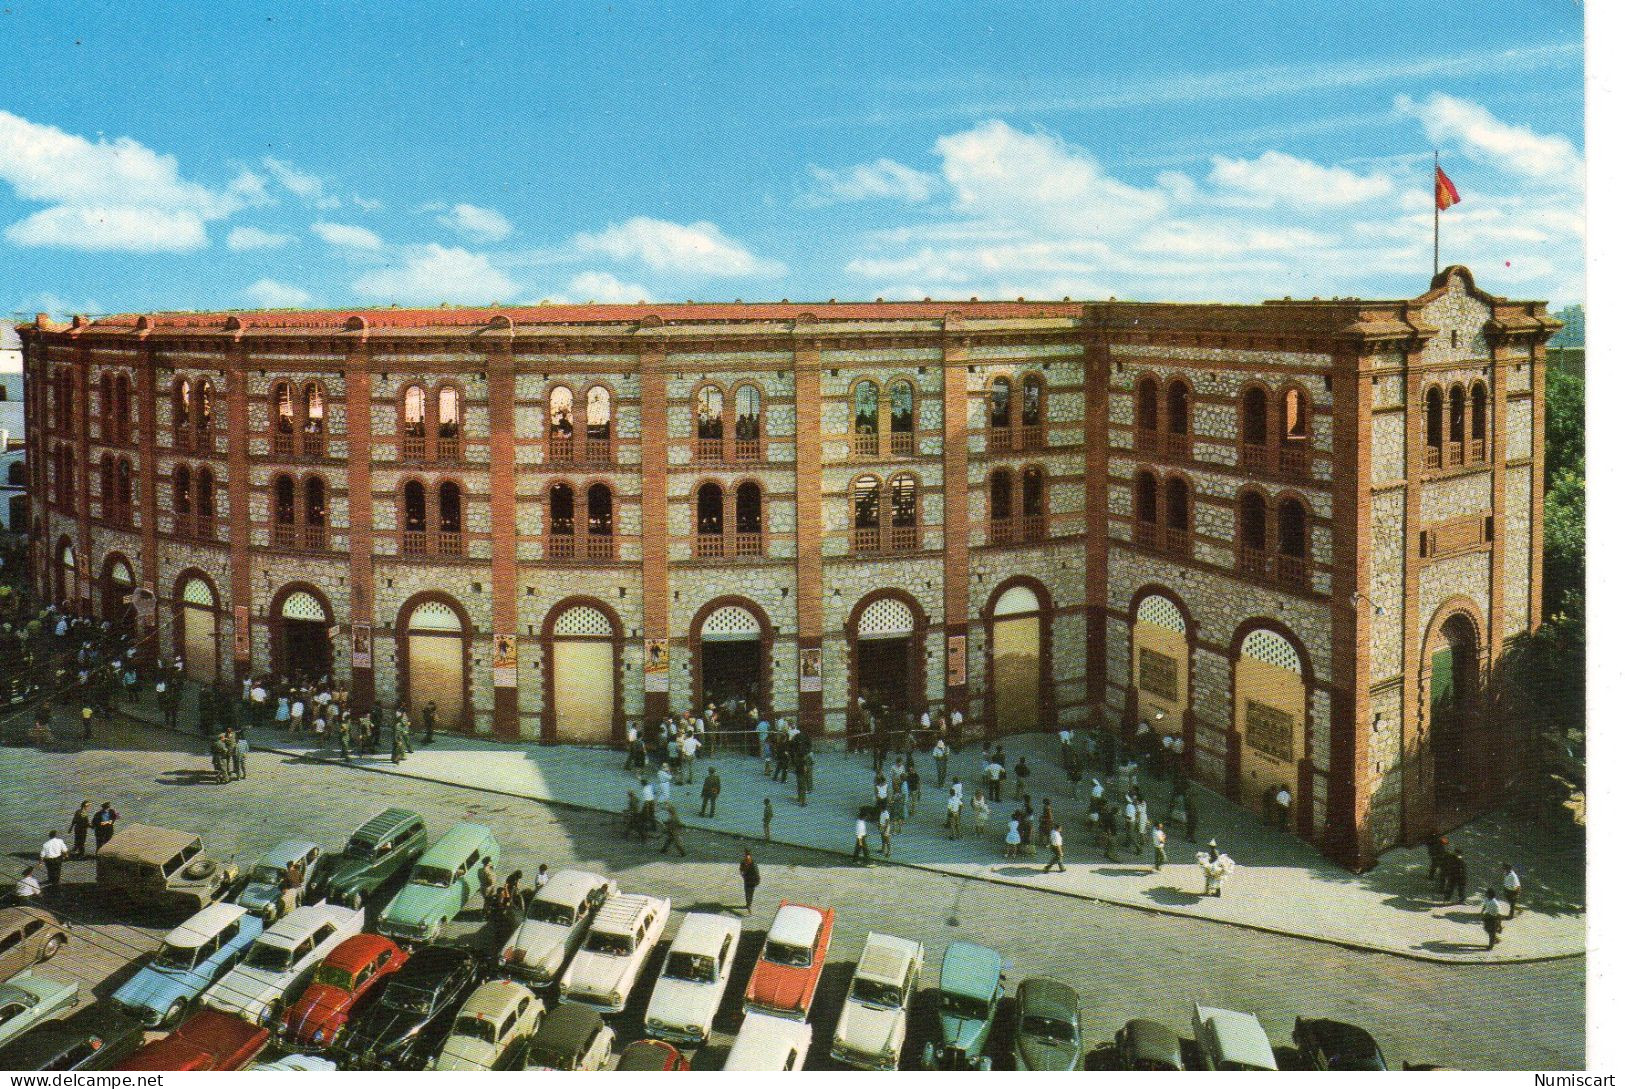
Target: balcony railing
(561, 447)
(1176, 541)
(998, 438)
(902, 444)
(448, 543)
(1032, 436)
(1145, 534)
(1475, 450)
(711, 546)
(595, 451)
(1295, 459)
(1292, 570)
(600, 546)
(1176, 447)
(448, 448)
(284, 535)
(414, 542)
(1452, 453)
(1433, 457)
(414, 447)
(708, 449)
(1002, 531)
(1253, 562)
(866, 539)
(313, 444)
(1147, 441)
(905, 538)
(1255, 458)
(313, 538)
(282, 444)
(747, 449)
(866, 444)
(561, 546)
(183, 439)
(1032, 527)
(204, 441)
(748, 544)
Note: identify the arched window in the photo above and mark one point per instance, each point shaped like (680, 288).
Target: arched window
(708, 520)
(561, 510)
(747, 416)
(1145, 413)
(1032, 401)
(205, 412)
(126, 491)
(283, 427)
(1145, 509)
(901, 397)
(905, 513)
(205, 500)
(1032, 504)
(866, 418)
(448, 440)
(180, 486)
(561, 407)
(109, 490)
(599, 406)
(1480, 426)
(866, 514)
(1177, 441)
(748, 519)
(313, 438)
(183, 413)
(1255, 429)
(1176, 515)
(450, 539)
(1294, 452)
(315, 502)
(68, 491)
(1293, 536)
(600, 522)
(1252, 517)
(121, 406)
(108, 427)
(412, 423)
(708, 405)
(414, 518)
(998, 413)
(284, 530)
(1000, 500)
(1458, 425)
(1434, 426)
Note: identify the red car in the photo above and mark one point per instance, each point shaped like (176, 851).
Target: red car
(351, 972)
(786, 974)
(651, 1055)
(208, 1040)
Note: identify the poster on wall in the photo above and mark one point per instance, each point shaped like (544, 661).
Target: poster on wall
(956, 660)
(360, 646)
(656, 665)
(812, 669)
(242, 643)
(505, 661)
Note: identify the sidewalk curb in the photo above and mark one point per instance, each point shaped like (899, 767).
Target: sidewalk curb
(992, 879)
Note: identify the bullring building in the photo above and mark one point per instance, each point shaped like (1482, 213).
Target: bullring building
(1297, 534)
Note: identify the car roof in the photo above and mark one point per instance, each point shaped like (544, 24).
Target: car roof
(1046, 997)
(205, 925)
(46, 1042)
(146, 842)
(1339, 1035)
(702, 932)
(886, 958)
(569, 886)
(647, 1055)
(13, 917)
(764, 1034)
(619, 915)
(381, 825)
(299, 923)
(1153, 1039)
(569, 1028)
(493, 998)
(289, 850)
(1239, 1036)
(356, 952)
(452, 848)
(429, 964)
(964, 962)
(796, 924)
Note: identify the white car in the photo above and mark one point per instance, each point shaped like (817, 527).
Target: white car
(769, 1044)
(304, 1063)
(689, 990)
(1228, 1040)
(492, 1027)
(869, 1033)
(554, 925)
(617, 945)
(281, 961)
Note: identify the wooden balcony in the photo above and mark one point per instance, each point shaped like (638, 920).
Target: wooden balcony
(866, 539)
(1256, 458)
(998, 439)
(747, 449)
(282, 444)
(413, 447)
(1176, 447)
(284, 535)
(748, 544)
(600, 546)
(905, 538)
(448, 543)
(1452, 454)
(414, 542)
(182, 441)
(1295, 459)
(595, 451)
(1147, 441)
(902, 444)
(313, 444)
(710, 546)
(1146, 535)
(448, 449)
(561, 546)
(708, 450)
(313, 538)
(1002, 531)
(1475, 450)
(1033, 528)
(1292, 571)
(1433, 458)
(1031, 436)
(1253, 562)
(561, 447)
(1176, 542)
(866, 444)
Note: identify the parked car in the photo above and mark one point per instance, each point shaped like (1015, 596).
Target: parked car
(262, 894)
(413, 1014)
(93, 1038)
(342, 982)
(492, 1028)
(28, 935)
(445, 878)
(208, 1040)
(769, 1044)
(193, 957)
(695, 975)
(971, 985)
(1335, 1045)
(572, 1037)
(281, 961)
(160, 868)
(385, 845)
(1049, 1021)
(649, 1055)
(298, 1063)
(874, 1018)
(1228, 1040)
(617, 946)
(27, 999)
(554, 925)
(786, 974)
(1143, 1044)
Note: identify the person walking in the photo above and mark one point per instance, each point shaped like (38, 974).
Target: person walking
(103, 825)
(344, 736)
(1131, 818)
(710, 791)
(429, 713)
(1436, 845)
(885, 822)
(79, 825)
(633, 742)
(674, 831)
(940, 753)
(995, 780)
(750, 876)
(403, 726)
(488, 884)
(646, 810)
(1012, 837)
(767, 820)
(1455, 877)
(397, 745)
(1159, 847)
(27, 887)
(1491, 915)
(955, 804)
(52, 854)
(220, 757)
(860, 841)
(980, 812)
(239, 756)
(911, 788)
(1283, 808)
(1511, 885)
(663, 779)
(1057, 851)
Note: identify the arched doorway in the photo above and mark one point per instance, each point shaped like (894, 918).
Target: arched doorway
(199, 631)
(1161, 665)
(1453, 707)
(1269, 696)
(436, 662)
(304, 635)
(885, 639)
(118, 587)
(584, 641)
(67, 575)
(1018, 661)
(731, 670)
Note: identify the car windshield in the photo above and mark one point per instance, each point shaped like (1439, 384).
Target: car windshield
(874, 993)
(269, 958)
(616, 945)
(1047, 1028)
(358, 848)
(694, 967)
(958, 1005)
(265, 875)
(432, 875)
(475, 1028)
(791, 956)
(545, 911)
(547, 1057)
(178, 957)
(333, 977)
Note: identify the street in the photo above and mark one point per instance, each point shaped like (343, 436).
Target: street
(1124, 963)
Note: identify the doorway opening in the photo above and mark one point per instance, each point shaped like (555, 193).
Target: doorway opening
(731, 664)
(307, 641)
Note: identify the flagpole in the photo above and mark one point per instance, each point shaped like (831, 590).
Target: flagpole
(1435, 211)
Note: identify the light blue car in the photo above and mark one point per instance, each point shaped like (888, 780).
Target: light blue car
(193, 957)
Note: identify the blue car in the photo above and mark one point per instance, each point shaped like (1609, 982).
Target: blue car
(193, 957)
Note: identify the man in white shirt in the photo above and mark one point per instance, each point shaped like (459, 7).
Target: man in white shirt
(860, 844)
(690, 748)
(955, 804)
(256, 696)
(1491, 915)
(1057, 851)
(663, 778)
(940, 754)
(27, 886)
(1283, 807)
(1511, 885)
(52, 854)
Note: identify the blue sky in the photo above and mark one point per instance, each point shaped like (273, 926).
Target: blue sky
(228, 156)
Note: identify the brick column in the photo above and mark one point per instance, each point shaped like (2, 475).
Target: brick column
(1416, 782)
(358, 434)
(956, 514)
(79, 424)
(653, 461)
(147, 422)
(1537, 484)
(504, 526)
(1097, 394)
(241, 597)
(809, 523)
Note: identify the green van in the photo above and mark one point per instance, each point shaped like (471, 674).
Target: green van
(442, 883)
(971, 985)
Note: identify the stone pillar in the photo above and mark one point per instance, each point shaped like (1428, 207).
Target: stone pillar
(809, 522)
(1416, 780)
(358, 441)
(241, 597)
(146, 421)
(1097, 393)
(79, 429)
(504, 524)
(956, 515)
(656, 554)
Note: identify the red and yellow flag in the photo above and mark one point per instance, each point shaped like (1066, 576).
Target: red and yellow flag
(1444, 190)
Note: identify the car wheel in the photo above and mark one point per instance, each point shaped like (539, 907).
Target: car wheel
(175, 1013)
(52, 946)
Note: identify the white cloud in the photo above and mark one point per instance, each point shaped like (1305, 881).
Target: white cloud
(1513, 149)
(479, 224)
(253, 238)
(883, 179)
(364, 204)
(308, 187)
(111, 228)
(434, 274)
(346, 236)
(698, 249)
(270, 293)
(1278, 178)
(604, 288)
